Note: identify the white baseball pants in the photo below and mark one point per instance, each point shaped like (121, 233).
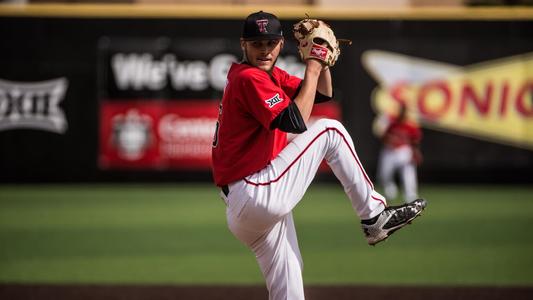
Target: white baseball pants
(401, 160)
(259, 206)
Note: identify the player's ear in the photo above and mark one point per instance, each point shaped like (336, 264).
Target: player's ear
(243, 43)
(282, 43)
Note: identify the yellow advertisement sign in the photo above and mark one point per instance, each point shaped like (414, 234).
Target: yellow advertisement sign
(490, 101)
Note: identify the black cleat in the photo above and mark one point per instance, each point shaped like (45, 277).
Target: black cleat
(391, 219)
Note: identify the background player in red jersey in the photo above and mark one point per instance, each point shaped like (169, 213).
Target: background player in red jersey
(262, 177)
(400, 154)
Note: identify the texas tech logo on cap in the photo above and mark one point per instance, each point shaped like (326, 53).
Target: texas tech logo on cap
(262, 25)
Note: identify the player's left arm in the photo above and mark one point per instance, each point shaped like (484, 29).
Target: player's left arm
(290, 119)
(324, 86)
(324, 92)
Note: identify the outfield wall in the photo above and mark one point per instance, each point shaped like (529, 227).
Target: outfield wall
(127, 93)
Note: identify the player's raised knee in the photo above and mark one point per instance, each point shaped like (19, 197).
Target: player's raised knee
(330, 123)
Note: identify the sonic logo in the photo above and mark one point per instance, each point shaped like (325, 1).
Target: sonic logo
(319, 52)
(490, 101)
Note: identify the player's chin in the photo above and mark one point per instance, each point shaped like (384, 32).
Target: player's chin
(264, 65)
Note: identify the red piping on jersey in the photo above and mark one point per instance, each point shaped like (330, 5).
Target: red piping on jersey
(307, 147)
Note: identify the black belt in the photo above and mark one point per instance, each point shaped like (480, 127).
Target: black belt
(225, 190)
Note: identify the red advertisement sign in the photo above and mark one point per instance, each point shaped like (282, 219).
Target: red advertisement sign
(162, 135)
(157, 134)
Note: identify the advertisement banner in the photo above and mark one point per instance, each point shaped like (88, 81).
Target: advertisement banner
(160, 97)
(489, 101)
(135, 99)
(157, 134)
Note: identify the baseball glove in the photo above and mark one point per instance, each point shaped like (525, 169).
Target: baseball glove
(316, 40)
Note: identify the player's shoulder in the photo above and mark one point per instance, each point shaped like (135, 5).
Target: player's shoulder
(279, 72)
(244, 70)
(247, 73)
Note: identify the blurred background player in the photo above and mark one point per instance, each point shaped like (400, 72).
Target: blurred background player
(263, 177)
(400, 154)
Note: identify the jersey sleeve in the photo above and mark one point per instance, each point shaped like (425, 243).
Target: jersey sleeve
(289, 83)
(292, 85)
(264, 100)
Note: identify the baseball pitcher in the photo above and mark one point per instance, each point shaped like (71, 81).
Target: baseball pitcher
(261, 175)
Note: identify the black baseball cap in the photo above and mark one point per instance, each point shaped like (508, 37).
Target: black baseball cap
(261, 25)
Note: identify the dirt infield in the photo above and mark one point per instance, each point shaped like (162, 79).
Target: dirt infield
(134, 292)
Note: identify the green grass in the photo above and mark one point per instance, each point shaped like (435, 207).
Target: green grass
(177, 234)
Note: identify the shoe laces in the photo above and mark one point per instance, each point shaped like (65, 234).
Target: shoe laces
(400, 214)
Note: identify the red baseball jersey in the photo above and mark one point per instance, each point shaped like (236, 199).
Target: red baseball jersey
(243, 142)
(402, 133)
